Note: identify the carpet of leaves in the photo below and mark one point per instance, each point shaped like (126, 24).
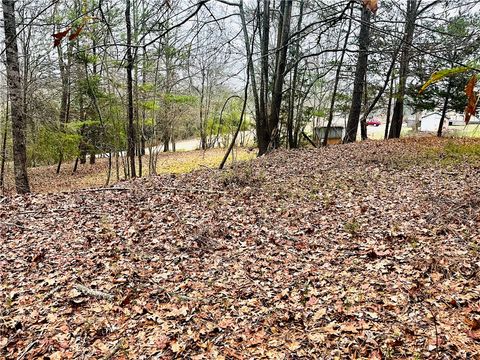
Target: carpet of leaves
(367, 250)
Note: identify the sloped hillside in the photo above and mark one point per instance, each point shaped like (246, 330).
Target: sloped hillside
(367, 250)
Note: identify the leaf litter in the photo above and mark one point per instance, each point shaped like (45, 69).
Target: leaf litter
(366, 250)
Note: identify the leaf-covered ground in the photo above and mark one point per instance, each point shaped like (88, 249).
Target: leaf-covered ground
(367, 250)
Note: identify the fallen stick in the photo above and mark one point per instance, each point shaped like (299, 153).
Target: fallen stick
(206, 191)
(92, 292)
(13, 225)
(43, 211)
(103, 189)
(51, 292)
(27, 349)
(115, 349)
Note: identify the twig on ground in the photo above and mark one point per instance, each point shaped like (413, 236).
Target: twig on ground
(92, 292)
(13, 225)
(104, 189)
(205, 191)
(46, 211)
(51, 292)
(115, 349)
(437, 339)
(27, 350)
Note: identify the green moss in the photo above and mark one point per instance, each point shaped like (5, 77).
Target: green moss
(352, 227)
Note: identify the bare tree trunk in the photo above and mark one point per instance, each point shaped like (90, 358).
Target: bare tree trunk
(82, 146)
(382, 90)
(260, 120)
(360, 72)
(203, 136)
(65, 103)
(292, 143)
(337, 79)
(130, 63)
(75, 166)
(280, 65)
(4, 148)
(445, 108)
(60, 160)
(389, 109)
(363, 121)
(242, 115)
(15, 93)
(397, 117)
(117, 166)
(166, 140)
(139, 132)
(109, 171)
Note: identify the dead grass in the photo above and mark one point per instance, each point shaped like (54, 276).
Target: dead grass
(44, 179)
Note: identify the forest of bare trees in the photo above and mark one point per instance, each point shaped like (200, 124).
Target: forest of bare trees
(122, 79)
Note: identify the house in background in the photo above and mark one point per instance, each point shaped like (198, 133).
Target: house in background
(335, 135)
(430, 122)
(458, 119)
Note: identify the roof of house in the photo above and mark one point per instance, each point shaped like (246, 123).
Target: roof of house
(434, 113)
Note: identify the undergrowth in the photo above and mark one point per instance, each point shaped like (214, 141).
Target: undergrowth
(243, 176)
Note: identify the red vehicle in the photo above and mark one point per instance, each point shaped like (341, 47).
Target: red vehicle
(374, 122)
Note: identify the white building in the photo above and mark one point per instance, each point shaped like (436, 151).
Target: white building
(430, 122)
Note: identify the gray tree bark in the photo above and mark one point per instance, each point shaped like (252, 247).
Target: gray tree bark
(444, 109)
(359, 81)
(337, 79)
(131, 124)
(280, 65)
(16, 99)
(4, 148)
(397, 117)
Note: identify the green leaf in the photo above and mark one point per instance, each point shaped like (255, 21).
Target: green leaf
(441, 74)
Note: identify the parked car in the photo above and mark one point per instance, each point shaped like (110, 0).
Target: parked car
(374, 122)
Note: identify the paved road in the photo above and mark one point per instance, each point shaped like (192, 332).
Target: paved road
(194, 144)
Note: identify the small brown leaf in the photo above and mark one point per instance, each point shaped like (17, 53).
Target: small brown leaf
(176, 347)
(162, 342)
(349, 327)
(475, 335)
(375, 355)
(60, 35)
(371, 5)
(57, 37)
(77, 32)
(127, 299)
(472, 98)
(474, 324)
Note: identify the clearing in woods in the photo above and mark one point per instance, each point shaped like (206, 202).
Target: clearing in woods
(43, 179)
(364, 250)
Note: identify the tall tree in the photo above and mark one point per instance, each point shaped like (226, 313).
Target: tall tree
(397, 117)
(16, 99)
(280, 66)
(360, 74)
(3, 151)
(337, 79)
(130, 64)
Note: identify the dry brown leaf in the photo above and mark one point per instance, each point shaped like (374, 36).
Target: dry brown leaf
(371, 5)
(472, 100)
(474, 324)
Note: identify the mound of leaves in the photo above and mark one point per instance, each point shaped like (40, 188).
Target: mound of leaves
(366, 250)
